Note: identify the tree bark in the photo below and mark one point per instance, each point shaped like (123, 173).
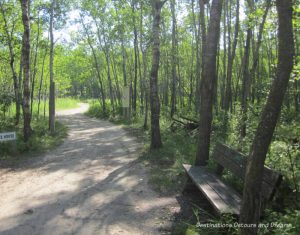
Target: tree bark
(173, 59)
(26, 69)
(35, 63)
(96, 65)
(52, 85)
(154, 98)
(41, 83)
(231, 55)
(250, 211)
(106, 50)
(244, 101)
(12, 64)
(202, 28)
(136, 55)
(207, 82)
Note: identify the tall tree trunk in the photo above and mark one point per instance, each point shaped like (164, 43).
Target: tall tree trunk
(52, 84)
(124, 62)
(173, 60)
(194, 43)
(197, 42)
(96, 65)
(258, 43)
(245, 85)
(12, 64)
(26, 69)
(106, 53)
(106, 48)
(136, 54)
(141, 60)
(35, 63)
(41, 83)
(231, 55)
(118, 92)
(202, 26)
(246, 74)
(154, 98)
(250, 211)
(208, 81)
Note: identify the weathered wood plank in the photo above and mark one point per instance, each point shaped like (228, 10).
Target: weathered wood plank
(236, 162)
(222, 197)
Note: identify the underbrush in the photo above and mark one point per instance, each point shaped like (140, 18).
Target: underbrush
(60, 104)
(67, 103)
(166, 172)
(40, 140)
(168, 178)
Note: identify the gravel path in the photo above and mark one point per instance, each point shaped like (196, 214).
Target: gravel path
(92, 184)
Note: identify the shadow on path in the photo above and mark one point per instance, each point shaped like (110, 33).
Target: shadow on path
(92, 184)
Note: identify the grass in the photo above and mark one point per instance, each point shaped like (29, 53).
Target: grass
(60, 104)
(178, 148)
(168, 178)
(41, 139)
(67, 103)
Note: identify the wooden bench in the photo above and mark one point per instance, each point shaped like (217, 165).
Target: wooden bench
(223, 197)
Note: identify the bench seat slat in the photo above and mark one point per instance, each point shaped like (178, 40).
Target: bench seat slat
(221, 196)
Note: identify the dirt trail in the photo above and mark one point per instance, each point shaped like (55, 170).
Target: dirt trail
(92, 184)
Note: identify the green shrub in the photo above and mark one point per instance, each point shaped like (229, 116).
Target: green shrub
(40, 140)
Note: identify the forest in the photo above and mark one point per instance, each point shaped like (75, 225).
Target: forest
(185, 75)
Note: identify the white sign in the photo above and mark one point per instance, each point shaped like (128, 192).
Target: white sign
(125, 97)
(8, 136)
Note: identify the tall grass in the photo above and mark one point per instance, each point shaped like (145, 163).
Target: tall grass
(41, 139)
(60, 104)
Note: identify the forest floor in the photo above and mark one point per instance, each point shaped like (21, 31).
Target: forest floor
(94, 183)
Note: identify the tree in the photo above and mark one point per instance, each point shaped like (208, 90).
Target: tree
(173, 59)
(208, 80)
(249, 74)
(26, 69)
(154, 98)
(52, 84)
(250, 211)
(9, 37)
(96, 62)
(136, 55)
(231, 55)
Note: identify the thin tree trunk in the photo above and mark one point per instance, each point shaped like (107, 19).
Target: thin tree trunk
(207, 82)
(113, 63)
(41, 83)
(105, 49)
(154, 98)
(52, 84)
(135, 44)
(35, 63)
(231, 56)
(244, 95)
(96, 66)
(258, 43)
(106, 53)
(12, 64)
(173, 60)
(198, 65)
(202, 26)
(250, 210)
(26, 69)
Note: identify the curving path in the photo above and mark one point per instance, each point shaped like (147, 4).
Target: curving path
(92, 184)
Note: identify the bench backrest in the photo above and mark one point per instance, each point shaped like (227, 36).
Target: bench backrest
(236, 162)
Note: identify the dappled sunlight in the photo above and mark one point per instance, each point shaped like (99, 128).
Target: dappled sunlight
(83, 107)
(92, 182)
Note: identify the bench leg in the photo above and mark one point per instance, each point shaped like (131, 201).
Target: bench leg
(190, 186)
